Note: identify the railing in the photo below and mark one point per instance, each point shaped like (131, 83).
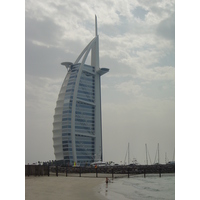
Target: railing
(107, 171)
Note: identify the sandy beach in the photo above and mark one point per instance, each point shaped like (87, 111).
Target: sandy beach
(62, 188)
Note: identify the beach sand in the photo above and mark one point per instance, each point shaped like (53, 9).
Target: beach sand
(62, 188)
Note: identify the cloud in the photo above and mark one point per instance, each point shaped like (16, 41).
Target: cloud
(140, 13)
(41, 92)
(166, 28)
(45, 31)
(129, 87)
(43, 61)
(157, 73)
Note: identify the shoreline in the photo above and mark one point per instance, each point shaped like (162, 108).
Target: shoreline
(62, 188)
(138, 187)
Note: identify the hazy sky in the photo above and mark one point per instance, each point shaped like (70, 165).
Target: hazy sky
(137, 44)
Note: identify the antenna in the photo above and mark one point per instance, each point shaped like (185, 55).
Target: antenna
(95, 25)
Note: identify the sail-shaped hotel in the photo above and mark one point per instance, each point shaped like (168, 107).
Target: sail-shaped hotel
(77, 126)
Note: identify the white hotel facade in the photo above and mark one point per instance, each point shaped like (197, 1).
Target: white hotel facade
(77, 126)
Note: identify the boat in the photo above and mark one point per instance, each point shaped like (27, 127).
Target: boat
(99, 164)
(171, 163)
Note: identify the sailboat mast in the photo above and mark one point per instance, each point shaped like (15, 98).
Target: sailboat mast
(128, 155)
(158, 155)
(173, 159)
(146, 154)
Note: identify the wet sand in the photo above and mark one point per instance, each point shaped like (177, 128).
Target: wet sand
(62, 188)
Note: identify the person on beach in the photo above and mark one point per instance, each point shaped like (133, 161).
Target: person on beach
(106, 180)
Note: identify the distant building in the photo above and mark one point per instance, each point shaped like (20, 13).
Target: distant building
(77, 126)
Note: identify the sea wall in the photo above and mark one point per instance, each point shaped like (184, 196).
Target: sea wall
(46, 170)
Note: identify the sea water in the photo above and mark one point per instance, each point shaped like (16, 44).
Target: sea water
(140, 188)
